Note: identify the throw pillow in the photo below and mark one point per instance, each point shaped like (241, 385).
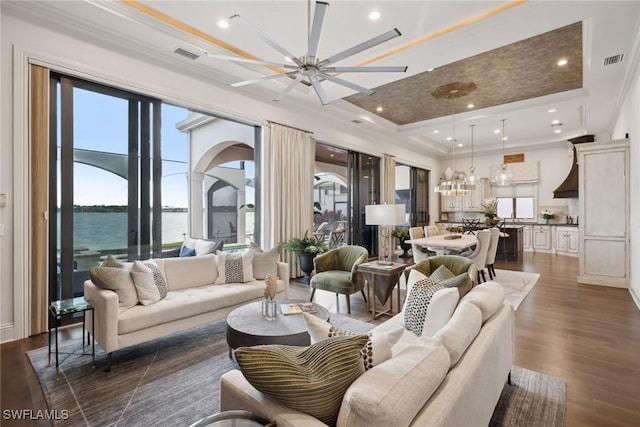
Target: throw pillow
(118, 280)
(462, 281)
(111, 261)
(158, 277)
(235, 267)
(264, 262)
(377, 349)
(441, 273)
(186, 251)
(145, 284)
(312, 379)
(418, 302)
(202, 246)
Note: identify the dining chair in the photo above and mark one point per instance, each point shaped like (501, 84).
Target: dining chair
(470, 225)
(431, 230)
(336, 238)
(319, 232)
(417, 250)
(479, 255)
(504, 236)
(491, 253)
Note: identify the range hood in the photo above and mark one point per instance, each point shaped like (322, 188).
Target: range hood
(569, 187)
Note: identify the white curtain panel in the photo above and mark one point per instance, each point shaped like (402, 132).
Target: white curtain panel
(387, 190)
(287, 172)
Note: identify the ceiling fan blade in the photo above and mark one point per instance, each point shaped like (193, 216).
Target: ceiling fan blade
(400, 69)
(362, 46)
(288, 88)
(319, 91)
(316, 30)
(248, 61)
(268, 40)
(345, 83)
(261, 79)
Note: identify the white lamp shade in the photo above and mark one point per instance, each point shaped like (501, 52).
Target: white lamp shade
(384, 214)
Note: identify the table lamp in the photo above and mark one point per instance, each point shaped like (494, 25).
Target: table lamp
(385, 216)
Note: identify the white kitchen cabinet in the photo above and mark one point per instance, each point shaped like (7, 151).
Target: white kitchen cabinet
(472, 200)
(451, 203)
(541, 237)
(603, 182)
(567, 241)
(526, 238)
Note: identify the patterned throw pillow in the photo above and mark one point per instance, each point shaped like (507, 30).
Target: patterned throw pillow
(158, 278)
(145, 285)
(441, 273)
(312, 379)
(417, 303)
(377, 349)
(235, 267)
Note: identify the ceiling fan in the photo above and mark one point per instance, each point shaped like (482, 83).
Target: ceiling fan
(309, 67)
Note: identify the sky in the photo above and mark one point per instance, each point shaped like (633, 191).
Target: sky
(100, 124)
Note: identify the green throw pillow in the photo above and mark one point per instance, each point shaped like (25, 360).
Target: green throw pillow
(441, 273)
(309, 379)
(461, 281)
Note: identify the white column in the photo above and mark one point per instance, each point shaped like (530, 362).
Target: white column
(241, 225)
(196, 204)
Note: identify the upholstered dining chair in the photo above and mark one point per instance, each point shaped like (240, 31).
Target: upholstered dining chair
(418, 252)
(479, 255)
(493, 250)
(337, 272)
(431, 230)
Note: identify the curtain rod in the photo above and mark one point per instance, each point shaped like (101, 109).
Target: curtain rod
(292, 127)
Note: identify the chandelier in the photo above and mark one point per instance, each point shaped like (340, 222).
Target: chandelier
(503, 176)
(451, 184)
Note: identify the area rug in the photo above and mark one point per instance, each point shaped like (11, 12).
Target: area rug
(516, 284)
(175, 381)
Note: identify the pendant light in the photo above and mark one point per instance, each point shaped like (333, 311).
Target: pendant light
(503, 176)
(472, 177)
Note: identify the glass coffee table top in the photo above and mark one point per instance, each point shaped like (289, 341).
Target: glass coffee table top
(235, 418)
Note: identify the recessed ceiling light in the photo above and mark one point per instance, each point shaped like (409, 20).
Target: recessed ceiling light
(470, 105)
(436, 131)
(429, 69)
(375, 15)
(504, 138)
(223, 23)
(379, 109)
(460, 145)
(555, 122)
(562, 62)
(552, 110)
(496, 131)
(331, 155)
(557, 131)
(449, 138)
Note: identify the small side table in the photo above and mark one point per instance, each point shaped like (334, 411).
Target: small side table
(381, 279)
(71, 306)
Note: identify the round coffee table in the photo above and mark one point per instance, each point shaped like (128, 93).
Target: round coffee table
(235, 418)
(246, 327)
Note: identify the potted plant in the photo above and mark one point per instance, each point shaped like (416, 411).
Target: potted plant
(402, 234)
(490, 210)
(306, 247)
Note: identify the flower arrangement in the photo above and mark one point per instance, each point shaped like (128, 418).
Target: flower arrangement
(489, 208)
(547, 214)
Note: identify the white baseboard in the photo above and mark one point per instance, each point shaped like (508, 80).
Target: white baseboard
(7, 332)
(635, 297)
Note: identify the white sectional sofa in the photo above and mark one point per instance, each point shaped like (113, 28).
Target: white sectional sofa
(195, 297)
(452, 379)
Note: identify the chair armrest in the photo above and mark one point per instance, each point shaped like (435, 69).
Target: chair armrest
(325, 261)
(355, 276)
(105, 307)
(283, 274)
(422, 266)
(237, 393)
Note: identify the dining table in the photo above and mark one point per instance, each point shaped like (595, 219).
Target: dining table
(440, 244)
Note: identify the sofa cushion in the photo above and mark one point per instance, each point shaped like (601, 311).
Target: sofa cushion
(488, 297)
(186, 251)
(264, 262)
(441, 273)
(117, 279)
(235, 267)
(183, 273)
(392, 393)
(377, 349)
(202, 246)
(145, 284)
(458, 334)
(311, 379)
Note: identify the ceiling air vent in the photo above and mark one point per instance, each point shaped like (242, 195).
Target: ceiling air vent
(186, 54)
(613, 59)
(356, 121)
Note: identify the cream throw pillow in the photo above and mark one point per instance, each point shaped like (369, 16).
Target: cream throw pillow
(235, 267)
(377, 349)
(117, 279)
(145, 284)
(311, 379)
(264, 262)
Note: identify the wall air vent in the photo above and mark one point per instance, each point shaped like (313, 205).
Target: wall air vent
(356, 121)
(613, 59)
(186, 54)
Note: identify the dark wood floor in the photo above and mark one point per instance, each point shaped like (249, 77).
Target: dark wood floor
(587, 335)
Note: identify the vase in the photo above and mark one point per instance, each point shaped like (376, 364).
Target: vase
(492, 221)
(269, 309)
(306, 265)
(405, 249)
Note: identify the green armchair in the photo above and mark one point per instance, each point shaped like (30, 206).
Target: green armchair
(337, 272)
(455, 263)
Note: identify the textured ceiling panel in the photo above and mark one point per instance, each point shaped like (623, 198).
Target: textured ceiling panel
(519, 71)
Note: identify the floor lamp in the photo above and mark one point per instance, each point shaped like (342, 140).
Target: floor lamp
(385, 216)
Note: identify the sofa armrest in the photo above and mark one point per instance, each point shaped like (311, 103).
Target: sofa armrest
(237, 393)
(105, 307)
(283, 274)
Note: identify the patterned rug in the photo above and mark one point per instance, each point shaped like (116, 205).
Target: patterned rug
(516, 284)
(174, 381)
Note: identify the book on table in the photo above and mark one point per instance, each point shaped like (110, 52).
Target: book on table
(297, 308)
